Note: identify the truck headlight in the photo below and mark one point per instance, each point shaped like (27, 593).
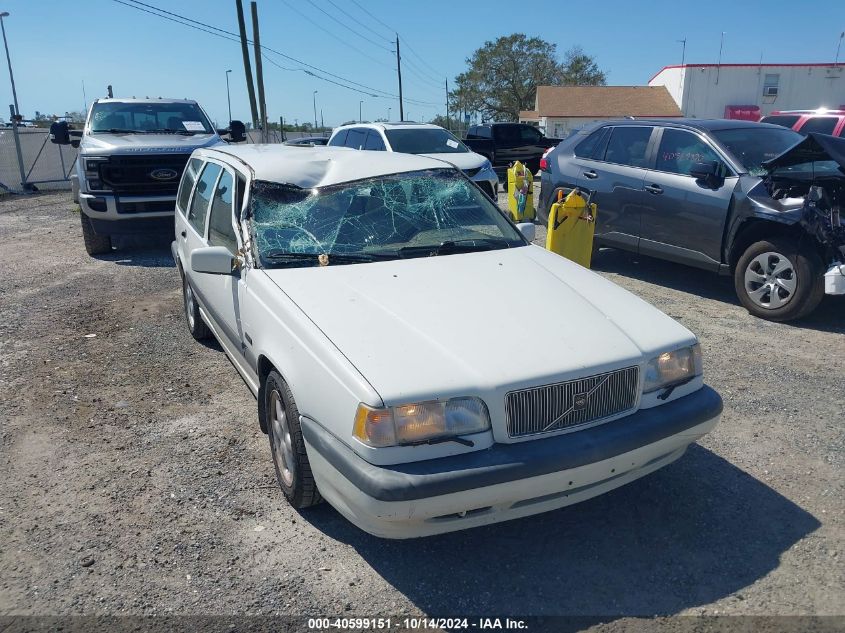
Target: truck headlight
(421, 422)
(92, 164)
(673, 368)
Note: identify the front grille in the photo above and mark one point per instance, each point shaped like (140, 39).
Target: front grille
(133, 174)
(570, 404)
(149, 206)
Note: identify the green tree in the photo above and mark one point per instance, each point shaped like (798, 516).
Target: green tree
(502, 76)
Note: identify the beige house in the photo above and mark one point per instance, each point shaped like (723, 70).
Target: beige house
(559, 110)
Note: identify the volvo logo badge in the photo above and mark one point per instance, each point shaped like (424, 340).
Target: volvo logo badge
(580, 401)
(164, 174)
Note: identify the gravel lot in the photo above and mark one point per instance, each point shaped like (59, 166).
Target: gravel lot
(134, 479)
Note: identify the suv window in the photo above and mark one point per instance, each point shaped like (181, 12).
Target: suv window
(339, 139)
(820, 124)
(508, 135)
(786, 120)
(188, 180)
(202, 196)
(529, 134)
(374, 142)
(680, 150)
(220, 231)
(628, 145)
(356, 138)
(594, 145)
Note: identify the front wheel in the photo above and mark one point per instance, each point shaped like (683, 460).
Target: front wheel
(778, 280)
(95, 244)
(281, 419)
(196, 326)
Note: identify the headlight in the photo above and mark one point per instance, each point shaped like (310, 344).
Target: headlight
(92, 165)
(672, 368)
(487, 165)
(420, 422)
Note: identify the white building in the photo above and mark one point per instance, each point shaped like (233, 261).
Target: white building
(749, 91)
(558, 110)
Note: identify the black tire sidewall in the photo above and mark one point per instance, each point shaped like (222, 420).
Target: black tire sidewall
(199, 330)
(809, 283)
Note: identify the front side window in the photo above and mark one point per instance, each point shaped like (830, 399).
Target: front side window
(425, 141)
(628, 145)
(356, 138)
(132, 117)
(529, 134)
(593, 146)
(679, 150)
(189, 178)
(202, 197)
(374, 142)
(820, 124)
(416, 214)
(220, 230)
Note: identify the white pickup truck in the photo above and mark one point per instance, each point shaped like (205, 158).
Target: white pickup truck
(131, 156)
(359, 294)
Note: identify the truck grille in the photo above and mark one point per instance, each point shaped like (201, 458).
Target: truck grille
(570, 404)
(134, 174)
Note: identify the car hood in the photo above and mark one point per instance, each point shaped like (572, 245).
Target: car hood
(106, 144)
(467, 160)
(815, 147)
(477, 323)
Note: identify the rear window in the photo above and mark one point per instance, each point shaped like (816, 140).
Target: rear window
(785, 120)
(425, 141)
(819, 124)
(356, 138)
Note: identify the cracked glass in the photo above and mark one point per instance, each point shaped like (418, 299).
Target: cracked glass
(414, 214)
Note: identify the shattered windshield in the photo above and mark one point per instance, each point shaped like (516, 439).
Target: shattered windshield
(425, 141)
(415, 214)
(146, 117)
(752, 146)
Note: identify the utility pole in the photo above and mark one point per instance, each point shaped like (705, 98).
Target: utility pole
(259, 75)
(247, 66)
(5, 14)
(838, 47)
(322, 123)
(681, 74)
(448, 126)
(719, 62)
(360, 120)
(228, 95)
(399, 72)
(315, 110)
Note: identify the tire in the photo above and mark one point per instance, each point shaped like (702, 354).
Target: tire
(290, 460)
(778, 280)
(196, 326)
(94, 244)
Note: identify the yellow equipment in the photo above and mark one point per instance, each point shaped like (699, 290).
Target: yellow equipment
(520, 193)
(572, 223)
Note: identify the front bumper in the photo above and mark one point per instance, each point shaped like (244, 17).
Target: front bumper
(506, 481)
(112, 207)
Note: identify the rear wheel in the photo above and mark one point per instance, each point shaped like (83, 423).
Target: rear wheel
(778, 280)
(293, 471)
(95, 244)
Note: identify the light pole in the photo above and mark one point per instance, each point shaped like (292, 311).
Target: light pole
(388, 114)
(5, 14)
(315, 110)
(228, 95)
(360, 120)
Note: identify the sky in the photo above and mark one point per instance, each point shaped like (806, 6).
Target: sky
(57, 46)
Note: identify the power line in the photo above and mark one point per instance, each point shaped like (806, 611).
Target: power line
(354, 19)
(374, 17)
(346, 26)
(228, 35)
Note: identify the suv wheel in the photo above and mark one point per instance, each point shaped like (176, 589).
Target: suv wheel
(281, 419)
(95, 244)
(197, 327)
(778, 280)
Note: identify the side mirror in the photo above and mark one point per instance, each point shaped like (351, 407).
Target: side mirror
(75, 137)
(237, 131)
(528, 230)
(707, 171)
(214, 260)
(60, 133)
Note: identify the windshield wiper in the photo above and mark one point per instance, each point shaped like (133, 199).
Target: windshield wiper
(117, 130)
(285, 257)
(466, 245)
(168, 130)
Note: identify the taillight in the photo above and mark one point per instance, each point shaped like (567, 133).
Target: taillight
(544, 162)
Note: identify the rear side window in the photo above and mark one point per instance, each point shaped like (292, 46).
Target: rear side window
(785, 120)
(628, 145)
(188, 180)
(820, 124)
(220, 231)
(680, 150)
(374, 142)
(356, 138)
(594, 145)
(202, 197)
(339, 139)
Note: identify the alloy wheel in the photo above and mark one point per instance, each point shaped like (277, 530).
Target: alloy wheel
(282, 445)
(770, 280)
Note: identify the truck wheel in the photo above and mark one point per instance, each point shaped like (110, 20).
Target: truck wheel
(293, 471)
(94, 244)
(778, 280)
(196, 326)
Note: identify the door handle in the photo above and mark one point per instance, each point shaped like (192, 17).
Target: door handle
(655, 189)
(591, 174)
(183, 234)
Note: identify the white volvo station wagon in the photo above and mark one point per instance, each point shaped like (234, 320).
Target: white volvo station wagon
(374, 303)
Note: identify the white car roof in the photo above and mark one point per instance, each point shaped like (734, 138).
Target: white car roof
(306, 166)
(385, 125)
(143, 100)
